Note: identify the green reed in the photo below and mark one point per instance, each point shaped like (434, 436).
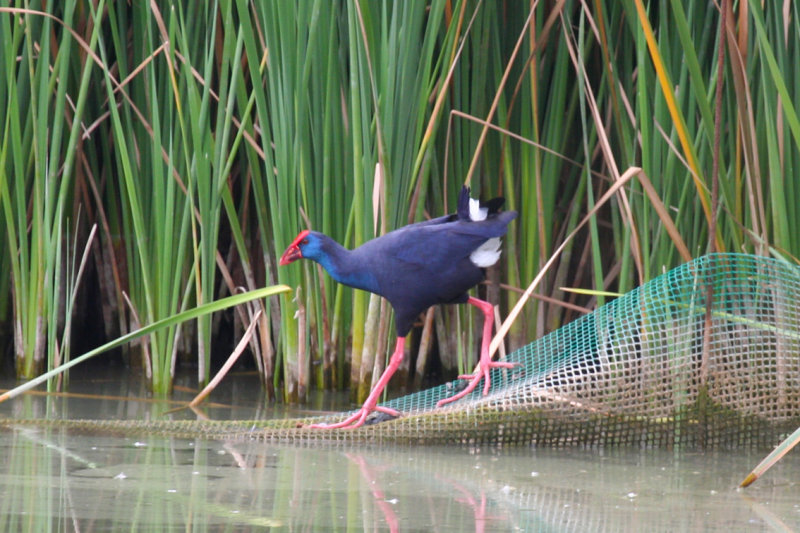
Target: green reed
(37, 158)
(201, 138)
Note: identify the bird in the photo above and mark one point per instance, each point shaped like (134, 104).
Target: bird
(416, 267)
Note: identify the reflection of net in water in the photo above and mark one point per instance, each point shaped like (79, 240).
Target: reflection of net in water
(651, 368)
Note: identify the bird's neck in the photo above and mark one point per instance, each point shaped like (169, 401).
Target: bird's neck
(346, 267)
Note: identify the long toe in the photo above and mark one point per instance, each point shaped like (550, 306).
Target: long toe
(493, 364)
(474, 379)
(358, 418)
(355, 420)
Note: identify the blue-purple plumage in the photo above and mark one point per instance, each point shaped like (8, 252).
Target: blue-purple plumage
(416, 266)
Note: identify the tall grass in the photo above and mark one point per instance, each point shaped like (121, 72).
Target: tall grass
(203, 137)
(41, 130)
(150, 154)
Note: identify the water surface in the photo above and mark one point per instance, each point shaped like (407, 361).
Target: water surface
(52, 479)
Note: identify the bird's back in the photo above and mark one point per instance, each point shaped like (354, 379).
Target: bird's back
(429, 263)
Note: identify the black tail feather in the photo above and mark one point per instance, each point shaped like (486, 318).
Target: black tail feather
(493, 205)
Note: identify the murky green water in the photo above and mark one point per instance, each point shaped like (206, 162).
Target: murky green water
(54, 480)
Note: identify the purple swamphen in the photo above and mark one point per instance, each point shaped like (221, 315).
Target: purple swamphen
(416, 267)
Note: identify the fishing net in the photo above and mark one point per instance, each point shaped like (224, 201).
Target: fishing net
(706, 355)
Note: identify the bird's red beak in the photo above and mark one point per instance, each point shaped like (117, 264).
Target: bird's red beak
(293, 252)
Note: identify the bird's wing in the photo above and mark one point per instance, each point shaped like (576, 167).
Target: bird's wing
(433, 222)
(423, 248)
(429, 246)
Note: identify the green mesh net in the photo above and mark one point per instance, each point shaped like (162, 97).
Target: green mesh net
(705, 355)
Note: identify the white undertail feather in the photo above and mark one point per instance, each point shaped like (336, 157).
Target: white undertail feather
(476, 212)
(487, 254)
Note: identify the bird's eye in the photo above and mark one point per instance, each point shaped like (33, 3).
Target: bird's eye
(304, 241)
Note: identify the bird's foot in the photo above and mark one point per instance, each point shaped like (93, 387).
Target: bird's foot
(482, 372)
(358, 418)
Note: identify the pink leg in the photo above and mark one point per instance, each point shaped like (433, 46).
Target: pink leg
(486, 363)
(371, 403)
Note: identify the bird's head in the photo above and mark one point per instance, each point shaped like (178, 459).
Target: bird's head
(305, 245)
